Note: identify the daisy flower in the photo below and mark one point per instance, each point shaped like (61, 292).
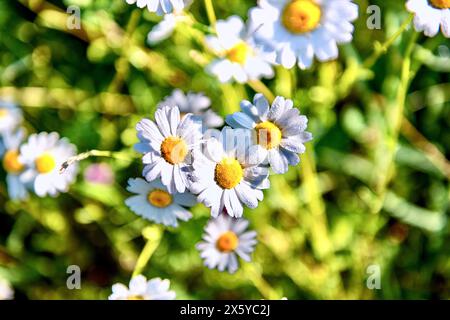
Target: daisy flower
(166, 145)
(153, 202)
(6, 291)
(43, 154)
(279, 130)
(429, 15)
(302, 29)
(160, 6)
(224, 240)
(240, 59)
(9, 148)
(223, 177)
(10, 117)
(141, 289)
(195, 103)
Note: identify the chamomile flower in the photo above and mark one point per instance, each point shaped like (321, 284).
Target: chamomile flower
(195, 103)
(141, 289)
(279, 130)
(160, 6)
(153, 202)
(6, 291)
(225, 239)
(9, 148)
(239, 57)
(302, 29)
(166, 145)
(429, 15)
(43, 154)
(225, 176)
(10, 117)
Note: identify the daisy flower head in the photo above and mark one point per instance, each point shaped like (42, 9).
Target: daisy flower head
(141, 289)
(302, 29)
(225, 239)
(9, 148)
(6, 291)
(10, 117)
(429, 15)
(226, 176)
(153, 202)
(43, 155)
(278, 130)
(195, 103)
(160, 7)
(239, 57)
(167, 144)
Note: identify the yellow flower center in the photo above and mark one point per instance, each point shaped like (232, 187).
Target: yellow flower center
(3, 113)
(136, 297)
(45, 163)
(174, 150)
(227, 242)
(301, 16)
(228, 173)
(440, 4)
(11, 162)
(239, 53)
(159, 198)
(268, 134)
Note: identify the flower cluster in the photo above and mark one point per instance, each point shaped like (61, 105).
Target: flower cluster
(32, 165)
(187, 162)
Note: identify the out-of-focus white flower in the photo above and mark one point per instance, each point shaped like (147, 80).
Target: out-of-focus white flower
(43, 155)
(6, 291)
(166, 145)
(239, 57)
(225, 239)
(162, 30)
(160, 6)
(429, 15)
(10, 117)
(153, 202)
(302, 29)
(9, 149)
(195, 103)
(279, 130)
(141, 289)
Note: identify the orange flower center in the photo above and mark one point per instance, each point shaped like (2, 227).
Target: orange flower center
(440, 4)
(268, 134)
(239, 53)
(45, 163)
(174, 150)
(227, 242)
(159, 198)
(301, 16)
(11, 162)
(228, 173)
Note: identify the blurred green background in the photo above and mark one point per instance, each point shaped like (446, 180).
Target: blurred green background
(373, 188)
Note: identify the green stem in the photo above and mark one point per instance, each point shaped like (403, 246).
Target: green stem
(260, 87)
(382, 49)
(210, 12)
(396, 122)
(93, 153)
(153, 235)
